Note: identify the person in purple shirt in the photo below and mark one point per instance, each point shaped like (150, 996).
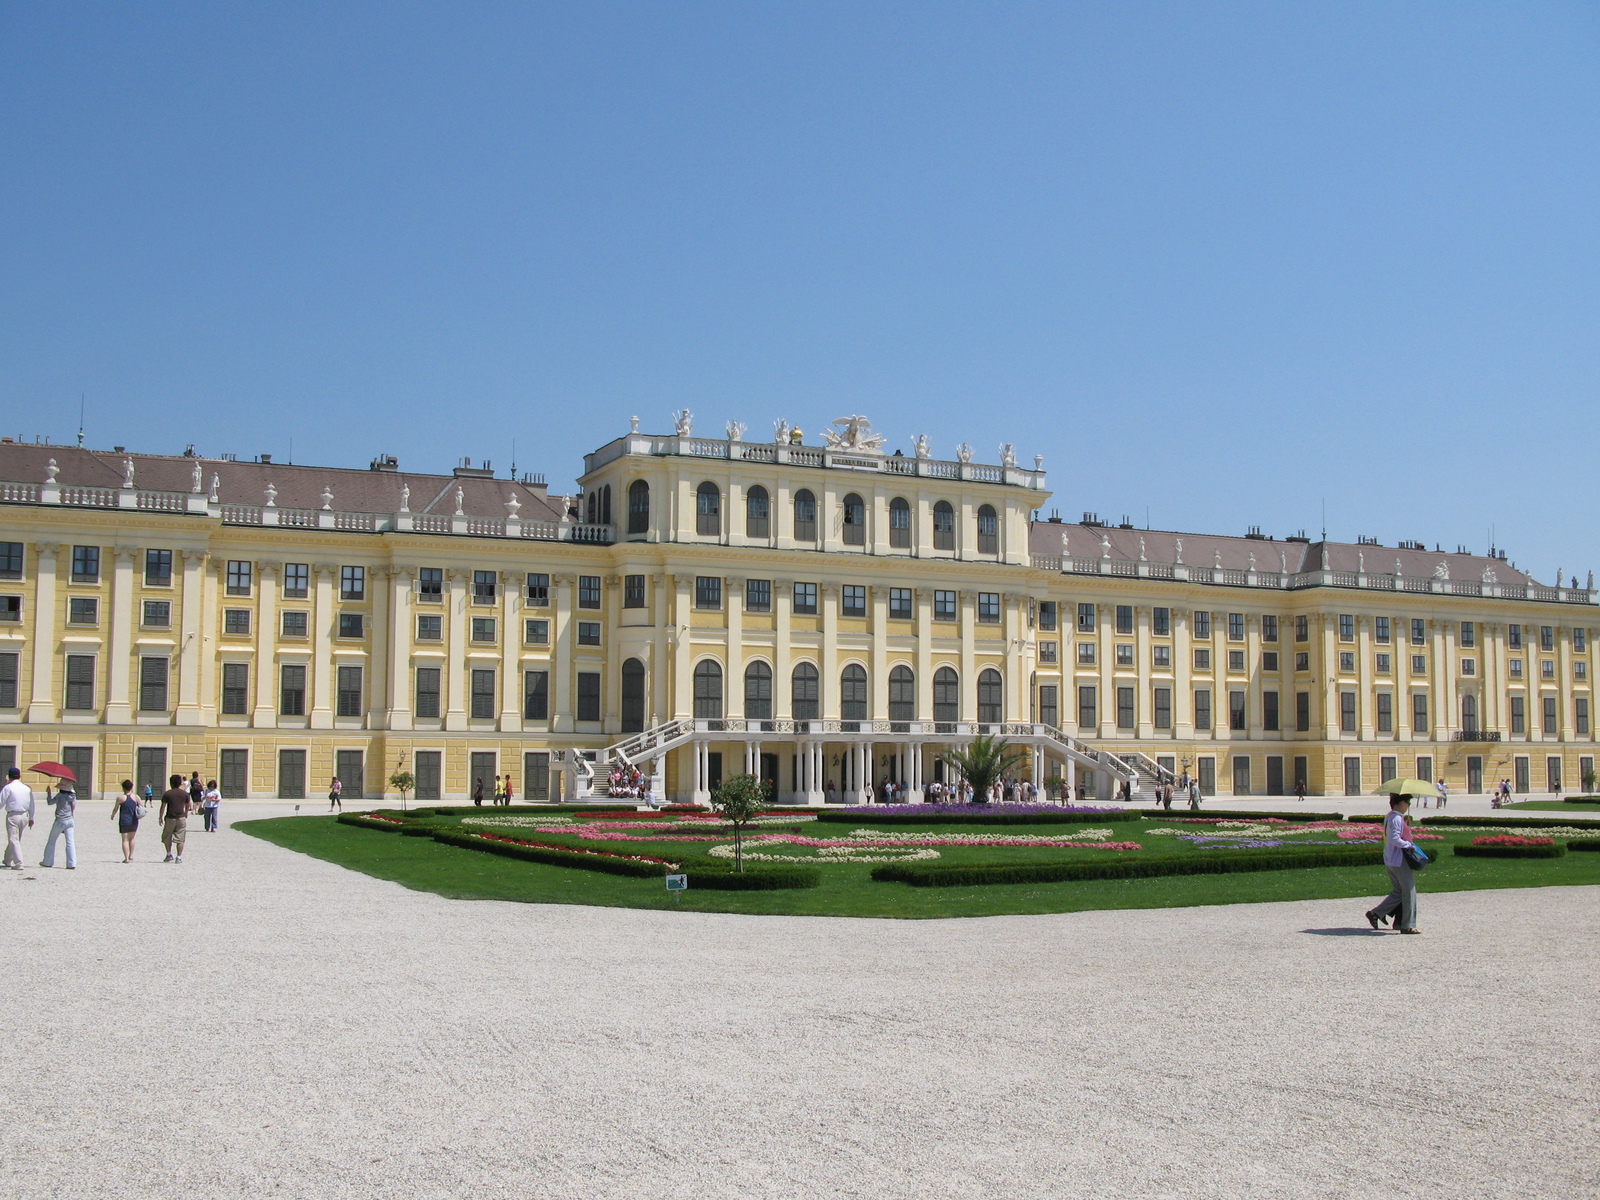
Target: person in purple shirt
(1402, 897)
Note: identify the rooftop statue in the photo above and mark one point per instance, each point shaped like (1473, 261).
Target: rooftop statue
(683, 422)
(780, 432)
(736, 431)
(855, 433)
(1008, 454)
(921, 445)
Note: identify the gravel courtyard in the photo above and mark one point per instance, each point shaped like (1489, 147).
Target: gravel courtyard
(256, 1023)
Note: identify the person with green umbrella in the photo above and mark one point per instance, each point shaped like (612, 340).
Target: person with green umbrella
(1402, 897)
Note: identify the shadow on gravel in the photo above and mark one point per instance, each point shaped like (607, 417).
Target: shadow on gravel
(1369, 932)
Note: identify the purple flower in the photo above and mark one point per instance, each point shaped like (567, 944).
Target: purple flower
(970, 810)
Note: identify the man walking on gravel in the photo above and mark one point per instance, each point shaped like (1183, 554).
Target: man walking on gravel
(175, 804)
(17, 799)
(1401, 902)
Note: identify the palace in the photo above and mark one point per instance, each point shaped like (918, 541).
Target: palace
(825, 616)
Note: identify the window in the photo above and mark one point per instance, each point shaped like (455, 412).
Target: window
(1469, 714)
(1124, 708)
(805, 516)
(633, 696)
(1581, 706)
(11, 560)
(944, 526)
(1550, 727)
(1163, 708)
(1425, 766)
(536, 632)
(805, 598)
(296, 580)
(1385, 715)
(1236, 627)
(708, 688)
(292, 691)
(80, 682)
(239, 577)
(483, 629)
(990, 701)
(158, 568)
(1347, 627)
(349, 701)
(1380, 630)
(1269, 629)
(296, 624)
(899, 523)
(1419, 712)
(853, 600)
(900, 608)
(86, 564)
(1519, 714)
(153, 684)
(944, 606)
(1049, 705)
(8, 680)
(1047, 652)
(1547, 668)
(1088, 709)
(1302, 629)
(600, 506)
(638, 507)
(989, 608)
(352, 583)
(1235, 710)
(1269, 660)
(855, 520)
(1202, 660)
(536, 695)
(1124, 618)
(804, 693)
(1547, 637)
(485, 586)
(708, 510)
(1302, 712)
(1047, 615)
(1580, 670)
(946, 695)
(1580, 641)
(235, 688)
(853, 693)
(588, 591)
(633, 591)
(1469, 634)
(1086, 653)
(1514, 637)
(1516, 667)
(1419, 664)
(1347, 660)
(588, 633)
(988, 530)
(11, 609)
(757, 513)
(427, 701)
(1419, 632)
(758, 692)
(1382, 664)
(1086, 618)
(707, 592)
(1469, 666)
(351, 625)
(1161, 656)
(236, 621)
(1302, 661)
(483, 693)
(1347, 712)
(83, 610)
(430, 584)
(1235, 660)
(588, 708)
(537, 590)
(758, 595)
(1124, 654)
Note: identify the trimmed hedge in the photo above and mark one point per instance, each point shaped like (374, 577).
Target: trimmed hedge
(865, 816)
(1580, 799)
(1554, 850)
(362, 821)
(1430, 820)
(554, 858)
(920, 875)
(762, 880)
(466, 810)
(1182, 811)
(1584, 844)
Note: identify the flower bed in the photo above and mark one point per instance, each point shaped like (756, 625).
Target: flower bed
(981, 814)
(637, 865)
(1511, 839)
(1550, 849)
(373, 821)
(955, 875)
(1214, 814)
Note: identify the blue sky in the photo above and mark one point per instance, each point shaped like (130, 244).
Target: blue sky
(1216, 263)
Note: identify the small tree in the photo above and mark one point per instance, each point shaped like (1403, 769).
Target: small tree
(1054, 786)
(739, 800)
(1588, 781)
(402, 782)
(985, 760)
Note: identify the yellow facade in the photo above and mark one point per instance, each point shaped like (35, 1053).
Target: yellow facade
(675, 615)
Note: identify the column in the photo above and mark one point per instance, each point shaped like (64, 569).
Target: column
(561, 635)
(511, 654)
(118, 710)
(191, 638)
(1367, 705)
(1017, 671)
(455, 664)
(733, 606)
(683, 635)
(662, 660)
(265, 713)
(42, 709)
(1183, 683)
(969, 661)
(1144, 698)
(381, 582)
(828, 692)
(879, 682)
(398, 705)
(783, 611)
(323, 615)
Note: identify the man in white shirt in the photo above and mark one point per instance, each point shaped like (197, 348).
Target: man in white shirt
(1401, 902)
(17, 800)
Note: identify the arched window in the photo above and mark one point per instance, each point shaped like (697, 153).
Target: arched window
(638, 507)
(708, 510)
(605, 505)
(855, 521)
(757, 509)
(804, 697)
(1469, 714)
(805, 516)
(758, 692)
(944, 526)
(902, 694)
(708, 689)
(899, 523)
(592, 506)
(988, 530)
(990, 707)
(632, 696)
(946, 695)
(853, 693)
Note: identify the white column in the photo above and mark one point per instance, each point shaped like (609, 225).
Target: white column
(123, 622)
(561, 634)
(323, 616)
(191, 640)
(265, 713)
(42, 709)
(397, 713)
(511, 654)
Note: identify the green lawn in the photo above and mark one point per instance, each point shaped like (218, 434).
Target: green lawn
(1584, 806)
(848, 890)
